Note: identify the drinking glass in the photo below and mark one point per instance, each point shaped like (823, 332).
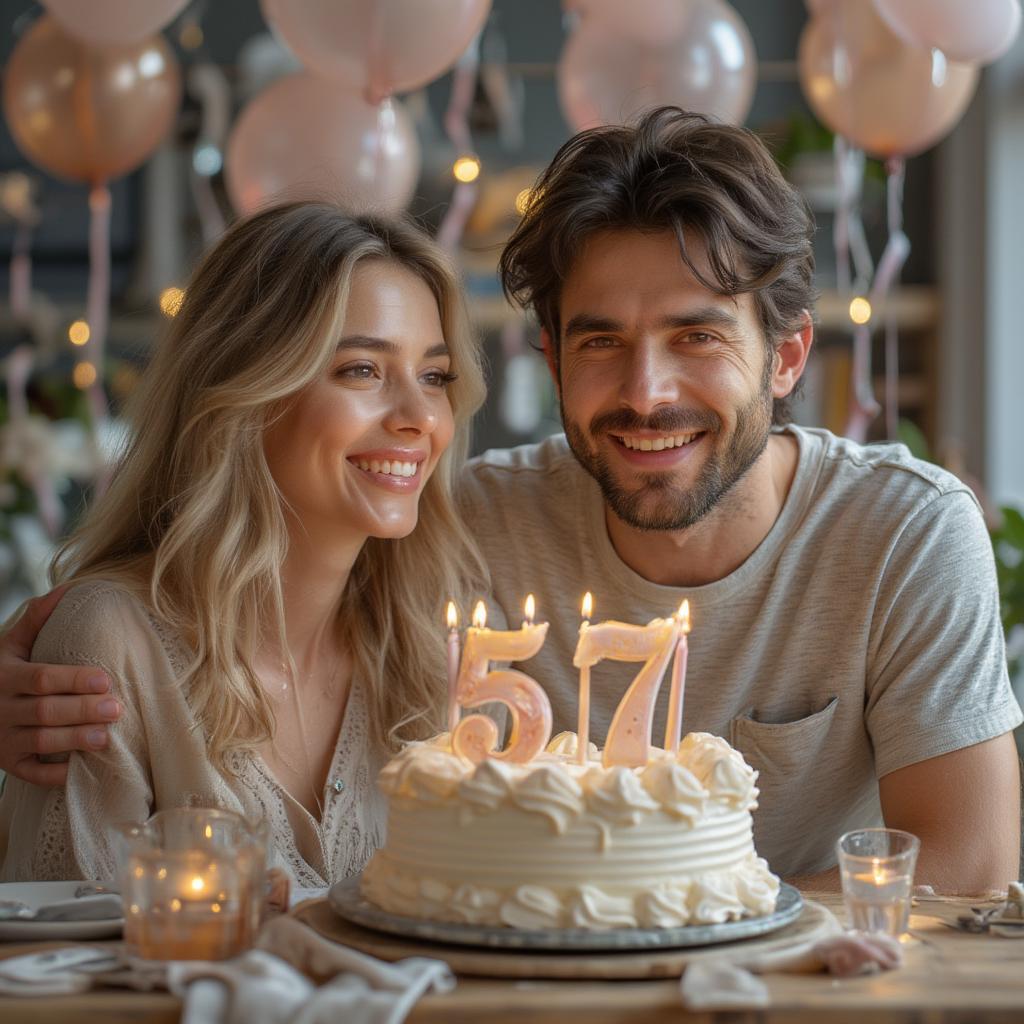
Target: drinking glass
(877, 870)
(192, 884)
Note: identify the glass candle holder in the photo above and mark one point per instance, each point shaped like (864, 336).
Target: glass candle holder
(192, 884)
(877, 870)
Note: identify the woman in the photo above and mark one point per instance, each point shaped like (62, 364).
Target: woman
(254, 581)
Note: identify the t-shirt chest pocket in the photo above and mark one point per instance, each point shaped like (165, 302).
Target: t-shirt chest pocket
(784, 752)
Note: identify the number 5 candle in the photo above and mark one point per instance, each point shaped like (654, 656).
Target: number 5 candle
(476, 736)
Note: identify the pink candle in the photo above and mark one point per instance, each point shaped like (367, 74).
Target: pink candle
(453, 666)
(674, 724)
(583, 722)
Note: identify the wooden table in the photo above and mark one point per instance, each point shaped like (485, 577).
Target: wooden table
(949, 977)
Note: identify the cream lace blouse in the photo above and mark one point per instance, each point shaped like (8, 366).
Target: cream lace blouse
(157, 759)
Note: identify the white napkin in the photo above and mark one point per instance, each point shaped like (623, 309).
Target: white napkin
(54, 972)
(103, 907)
(722, 986)
(269, 985)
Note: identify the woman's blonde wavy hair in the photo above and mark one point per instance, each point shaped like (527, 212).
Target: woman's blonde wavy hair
(193, 521)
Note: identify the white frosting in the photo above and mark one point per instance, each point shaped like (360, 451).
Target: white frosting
(720, 768)
(516, 844)
(567, 744)
(531, 906)
(676, 789)
(616, 795)
(550, 791)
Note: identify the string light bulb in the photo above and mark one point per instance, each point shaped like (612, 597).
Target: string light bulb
(860, 310)
(78, 333)
(466, 169)
(171, 300)
(191, 36)
(84, 375)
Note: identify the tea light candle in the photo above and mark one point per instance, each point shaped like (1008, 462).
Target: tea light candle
(198, 922)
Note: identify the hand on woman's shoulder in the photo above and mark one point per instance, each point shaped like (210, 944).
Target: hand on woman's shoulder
(102, 623)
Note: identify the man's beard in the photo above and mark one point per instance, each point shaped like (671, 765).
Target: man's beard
(658, 503)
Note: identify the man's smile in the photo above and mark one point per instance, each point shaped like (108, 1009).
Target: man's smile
(655, 451)
(655, 443)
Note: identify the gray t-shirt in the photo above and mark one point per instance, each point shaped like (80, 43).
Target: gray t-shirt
(861, 636)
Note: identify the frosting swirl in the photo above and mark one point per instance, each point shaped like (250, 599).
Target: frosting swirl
(551, 791)
(713, 899)
(676, 789)
(531, 906)
(592, 908)
(720, 768)
(616, 795)
(487, 787)
(663, 908)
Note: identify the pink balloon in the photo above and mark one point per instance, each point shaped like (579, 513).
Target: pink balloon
(709, 66)
(114, 22)
(307, 138)
(378, 46)
(865, 83)
(974, 31)
(647, 21)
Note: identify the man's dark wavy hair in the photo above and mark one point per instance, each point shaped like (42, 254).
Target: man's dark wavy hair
(678, 171)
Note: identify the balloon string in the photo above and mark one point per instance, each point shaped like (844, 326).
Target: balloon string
(456, 124)
(841, 225)
(98, 299)
(895, 179)
(849, 232)
(208, 84)
(21, 273)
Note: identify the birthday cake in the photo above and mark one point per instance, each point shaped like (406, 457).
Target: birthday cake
(560, 841)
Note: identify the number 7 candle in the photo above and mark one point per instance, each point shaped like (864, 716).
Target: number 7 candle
(629, 735)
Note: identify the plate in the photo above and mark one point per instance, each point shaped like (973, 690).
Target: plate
(348, 903)
(38, 894)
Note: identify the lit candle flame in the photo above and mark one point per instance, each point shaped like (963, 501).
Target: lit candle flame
(684, 616)
(198, 885)
(530, 608)
(588, 605)
(480, 615)
(878, 871)
(453, 616)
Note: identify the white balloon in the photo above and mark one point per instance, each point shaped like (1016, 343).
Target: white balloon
(970, 31)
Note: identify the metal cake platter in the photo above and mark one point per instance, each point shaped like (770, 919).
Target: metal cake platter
(347, 902)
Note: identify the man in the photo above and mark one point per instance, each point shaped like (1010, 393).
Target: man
(846, 635)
